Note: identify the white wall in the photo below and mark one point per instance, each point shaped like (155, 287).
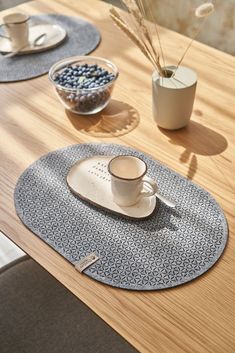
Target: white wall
(218, 31)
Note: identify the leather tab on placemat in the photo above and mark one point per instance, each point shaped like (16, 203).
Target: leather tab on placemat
(85, 262)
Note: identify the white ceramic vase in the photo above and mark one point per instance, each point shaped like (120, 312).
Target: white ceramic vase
(173, 97)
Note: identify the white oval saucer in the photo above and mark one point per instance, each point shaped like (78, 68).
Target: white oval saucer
(90, 180)
(55, 34)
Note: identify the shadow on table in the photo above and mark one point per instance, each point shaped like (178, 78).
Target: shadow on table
(116, 119)
(196, 139)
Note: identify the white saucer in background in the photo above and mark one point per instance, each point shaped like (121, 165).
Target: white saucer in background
(55, 34)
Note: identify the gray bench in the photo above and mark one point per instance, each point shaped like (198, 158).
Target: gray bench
(39, 315)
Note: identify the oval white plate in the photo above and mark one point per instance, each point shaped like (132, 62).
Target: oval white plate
(90, 180)
(55, 34)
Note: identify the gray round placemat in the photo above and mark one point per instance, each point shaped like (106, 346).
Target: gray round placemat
(82, 38)
(171, 247)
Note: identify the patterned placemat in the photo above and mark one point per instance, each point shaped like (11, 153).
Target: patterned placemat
(82, 38)
(171, 247)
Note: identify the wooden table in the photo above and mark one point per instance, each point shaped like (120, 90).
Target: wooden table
(199, 316)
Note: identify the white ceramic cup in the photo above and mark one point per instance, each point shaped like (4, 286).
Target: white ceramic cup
(17, 30)
(128, 179)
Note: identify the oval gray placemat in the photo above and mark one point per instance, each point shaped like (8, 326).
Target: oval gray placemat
(171, 247)
(82, 38)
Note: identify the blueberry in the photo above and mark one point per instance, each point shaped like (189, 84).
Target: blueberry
(71, 97)
(105, 73)
(56, 76)
(110, 77)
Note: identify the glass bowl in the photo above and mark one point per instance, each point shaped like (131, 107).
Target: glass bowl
(83, 101)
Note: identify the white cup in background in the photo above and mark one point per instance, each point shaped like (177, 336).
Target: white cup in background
(17, 30)
(128, 179)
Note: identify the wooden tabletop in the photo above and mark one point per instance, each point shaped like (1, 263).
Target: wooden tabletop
(196, 317)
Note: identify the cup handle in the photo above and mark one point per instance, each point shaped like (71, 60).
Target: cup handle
(1, 35)
(153, 186)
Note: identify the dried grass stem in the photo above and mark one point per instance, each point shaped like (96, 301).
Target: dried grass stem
(141, 34)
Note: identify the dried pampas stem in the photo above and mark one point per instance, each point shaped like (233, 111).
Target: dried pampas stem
(131, 35)
(139, 31)
(121, 23)
(134, 10)
(142, 9)
(115, 13)
(204, 10)
(139, 26)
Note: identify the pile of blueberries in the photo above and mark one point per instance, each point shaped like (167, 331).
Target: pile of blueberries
(83, 78)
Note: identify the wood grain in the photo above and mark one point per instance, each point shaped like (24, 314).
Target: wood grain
(197, 317)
